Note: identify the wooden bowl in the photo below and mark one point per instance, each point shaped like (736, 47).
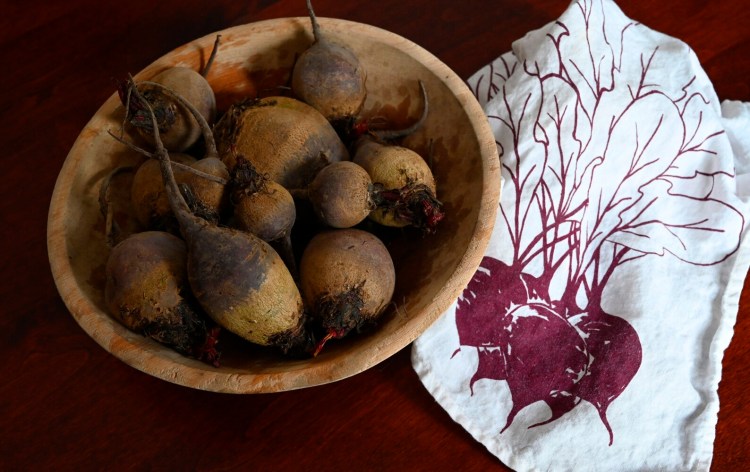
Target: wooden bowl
(254, 59)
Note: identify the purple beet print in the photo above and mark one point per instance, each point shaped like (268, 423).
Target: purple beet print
(603, 164)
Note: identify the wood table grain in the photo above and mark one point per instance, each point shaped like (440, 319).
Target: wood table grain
(66, 404)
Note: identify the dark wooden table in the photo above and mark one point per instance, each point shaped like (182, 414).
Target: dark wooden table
(66, 404)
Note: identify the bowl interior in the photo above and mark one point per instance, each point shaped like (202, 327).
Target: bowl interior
(256, 59)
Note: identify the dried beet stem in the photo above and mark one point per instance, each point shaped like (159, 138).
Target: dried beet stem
(390, 135)
(317, 33)
(176, 164)
(208, 136)
(111, 228)
(211, 58)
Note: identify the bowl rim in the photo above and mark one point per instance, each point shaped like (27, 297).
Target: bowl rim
(323, 371)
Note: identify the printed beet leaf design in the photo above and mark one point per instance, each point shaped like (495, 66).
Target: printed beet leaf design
(603, 163)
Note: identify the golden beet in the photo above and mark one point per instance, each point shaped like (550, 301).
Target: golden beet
(405, 191)
(340, 194)
(285, 139)
(329, 77)
(147, 291)
(148, 196)
(347, 280)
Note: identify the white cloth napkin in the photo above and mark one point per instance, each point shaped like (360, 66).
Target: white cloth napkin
(591, 337)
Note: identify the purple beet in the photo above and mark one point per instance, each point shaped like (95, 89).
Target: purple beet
(616, 357)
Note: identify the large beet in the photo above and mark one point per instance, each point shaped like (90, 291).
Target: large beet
(147, 291)
(285, 139)
(347, 278)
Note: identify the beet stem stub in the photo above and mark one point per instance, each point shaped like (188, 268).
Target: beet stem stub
(414, 204)
(211, 58)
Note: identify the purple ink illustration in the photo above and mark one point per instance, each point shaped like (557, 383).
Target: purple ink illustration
(603, 164)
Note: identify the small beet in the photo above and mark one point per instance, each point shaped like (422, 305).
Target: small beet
(178, 127)
(148, 197)
(341, 194)
(263, 207)
(329, 77)
(347, 279)
(405, 187)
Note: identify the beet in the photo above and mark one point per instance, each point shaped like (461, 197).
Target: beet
(148, 198)
(347, 279)
(341, 194)
(263, 207)
(147, 291)
(405, 187)
(285, 139)
(329, 77)
(177, 125)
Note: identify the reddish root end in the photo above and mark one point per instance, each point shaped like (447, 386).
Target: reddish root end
(208, 352)
(340, 314)
(332, 334)
(413, 204)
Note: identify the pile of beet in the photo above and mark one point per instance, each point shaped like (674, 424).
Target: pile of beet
(264, 219)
